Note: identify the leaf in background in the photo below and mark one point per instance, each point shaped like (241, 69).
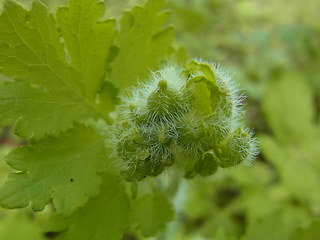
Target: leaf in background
(267, 228)
(295, 149)
(287, 105)
(310, 233)
(63, 169)
(143, 43)
(298, 166)
(151, 213)
(18, 227)
(105, 217)
(53, 90)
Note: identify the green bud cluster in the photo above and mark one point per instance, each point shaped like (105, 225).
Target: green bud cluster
(190, 118)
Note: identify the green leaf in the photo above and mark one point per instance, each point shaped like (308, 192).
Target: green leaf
(269, 227)
(88, 41)
(294, 151)
(310, 233)
(143, 43)
(202, 94)
(105, 217)
(273, 150)
(54, 81)
(4, 168)
(151, 213)
(287, 105)
(37, 112)
(298, 166)
(19, 226)
(63, 169)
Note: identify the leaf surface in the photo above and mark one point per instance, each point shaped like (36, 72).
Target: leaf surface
(151, 213)
(310, 233)
(288, 108)
(19, 226)
(294, 149)
(143, 43)
(105, 217)
(87, 40)
(63, 169)
(58, 75)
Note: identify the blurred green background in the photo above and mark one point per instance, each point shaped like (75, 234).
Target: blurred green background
(272, 49)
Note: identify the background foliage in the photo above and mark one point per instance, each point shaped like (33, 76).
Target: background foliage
(273, 50)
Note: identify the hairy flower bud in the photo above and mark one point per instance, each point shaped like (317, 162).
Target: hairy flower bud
(191, 116)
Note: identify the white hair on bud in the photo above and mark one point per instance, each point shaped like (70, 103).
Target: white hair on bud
(162, 119)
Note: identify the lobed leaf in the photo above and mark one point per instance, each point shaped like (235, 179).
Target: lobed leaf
(143, 42)
(63, 169)
(105, 217)
(54, 79)
(87, 40)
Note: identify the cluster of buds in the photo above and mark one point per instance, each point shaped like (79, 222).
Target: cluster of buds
(190, 118)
